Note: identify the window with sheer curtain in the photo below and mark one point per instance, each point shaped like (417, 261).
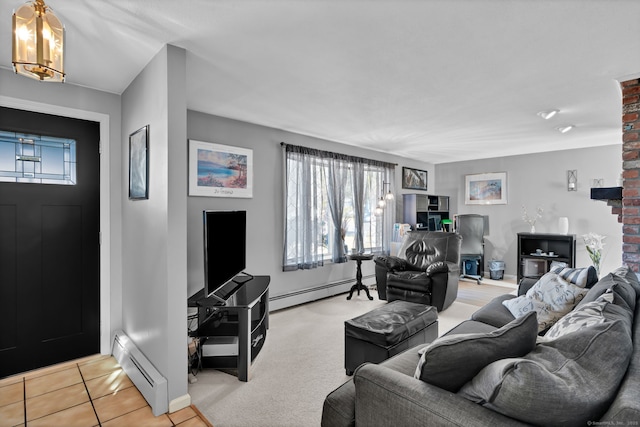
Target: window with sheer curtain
(330, 202)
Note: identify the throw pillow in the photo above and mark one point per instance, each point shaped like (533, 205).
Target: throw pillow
(556, 264)
(582, 317)
(551, 298)
(583, 277)
(629, 276)
(619, 284)
(566, 381)
(616, 308)
(452, 360)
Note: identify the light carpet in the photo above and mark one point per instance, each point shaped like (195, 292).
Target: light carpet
(301, 362)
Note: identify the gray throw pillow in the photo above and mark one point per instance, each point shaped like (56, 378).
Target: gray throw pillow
(582, 317)
(629, 276)
(453, 360)
(618, 284)
(566, 381)
(584, 277)
(551, 298)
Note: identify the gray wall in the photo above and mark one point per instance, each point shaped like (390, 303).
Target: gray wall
(541, 180)
(154, 230)
(152, 300)
(265, 210)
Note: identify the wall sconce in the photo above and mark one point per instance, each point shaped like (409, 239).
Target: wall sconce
(38, 43)
(572, 180)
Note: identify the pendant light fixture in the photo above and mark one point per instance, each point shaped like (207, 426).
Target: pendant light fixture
(378, 211)
(389, 195)
(382, 203)
(38, 42)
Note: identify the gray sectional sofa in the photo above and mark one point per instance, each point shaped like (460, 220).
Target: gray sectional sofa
(497, 369)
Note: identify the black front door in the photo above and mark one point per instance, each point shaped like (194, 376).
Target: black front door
(50, 253)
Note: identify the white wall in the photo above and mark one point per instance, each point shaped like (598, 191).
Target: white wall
(541, 180)
(265, 210)
(176, 266)
(154, 234)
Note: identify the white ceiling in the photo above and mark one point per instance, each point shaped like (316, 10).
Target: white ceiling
(438, 81)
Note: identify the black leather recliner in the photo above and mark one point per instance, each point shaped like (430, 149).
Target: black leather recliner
(426, 270)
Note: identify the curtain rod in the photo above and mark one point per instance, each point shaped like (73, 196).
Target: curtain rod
(284, 144)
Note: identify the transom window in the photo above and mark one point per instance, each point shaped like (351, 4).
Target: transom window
(37, 159)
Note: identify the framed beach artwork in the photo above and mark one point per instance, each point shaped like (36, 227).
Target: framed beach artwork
(486, 189)
(217, 170)
(139, 164)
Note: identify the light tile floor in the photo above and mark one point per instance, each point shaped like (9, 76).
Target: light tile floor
(92, 391)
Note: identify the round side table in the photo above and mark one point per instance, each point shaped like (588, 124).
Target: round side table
(358, 258)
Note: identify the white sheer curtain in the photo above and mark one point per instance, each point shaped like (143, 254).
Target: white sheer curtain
(337, 180)
(377, 229)
(330, 196)
(389, 212)
(303, 248)
(357, 185)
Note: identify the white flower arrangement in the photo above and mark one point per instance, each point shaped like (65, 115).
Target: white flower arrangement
(594, 243)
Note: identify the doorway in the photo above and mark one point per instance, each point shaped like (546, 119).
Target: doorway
(50, 253)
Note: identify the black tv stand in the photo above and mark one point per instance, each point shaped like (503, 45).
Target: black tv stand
(236, 310)
(246, 278)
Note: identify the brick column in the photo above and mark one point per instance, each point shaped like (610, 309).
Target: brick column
(631, 174)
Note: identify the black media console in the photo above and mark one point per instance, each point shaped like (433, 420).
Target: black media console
(537, 251)
(234, 320)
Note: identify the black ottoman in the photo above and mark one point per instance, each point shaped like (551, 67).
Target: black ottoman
(385, 331)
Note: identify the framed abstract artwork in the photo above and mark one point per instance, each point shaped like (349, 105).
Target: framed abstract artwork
(414, 179)
(486, 189)
(217, 170)
(139, 164)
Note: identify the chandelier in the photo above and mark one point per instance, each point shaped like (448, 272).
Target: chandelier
(38, 42)
(382, 203)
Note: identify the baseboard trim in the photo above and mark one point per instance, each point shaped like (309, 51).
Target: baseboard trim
(179, 403)
(318, 288)
(314, 293)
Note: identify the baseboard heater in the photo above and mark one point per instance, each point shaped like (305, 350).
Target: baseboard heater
(319, 288)
(142, 373)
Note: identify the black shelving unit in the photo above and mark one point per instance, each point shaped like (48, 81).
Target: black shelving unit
(424, 211)
(244, 313)
(534, 265)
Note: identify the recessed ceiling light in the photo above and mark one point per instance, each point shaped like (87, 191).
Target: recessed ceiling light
(548, 114)
(565, 129)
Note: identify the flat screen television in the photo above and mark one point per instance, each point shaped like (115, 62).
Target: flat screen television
(225, 240)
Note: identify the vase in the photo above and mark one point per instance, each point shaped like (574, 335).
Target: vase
(533, 228)
(563, 225)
